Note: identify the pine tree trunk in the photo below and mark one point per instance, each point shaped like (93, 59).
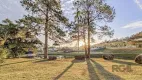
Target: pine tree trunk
(78, 39)
(78, 29)
(46, 44)
(88, 22)
(46, 36)
(88, 43)
(85, 46)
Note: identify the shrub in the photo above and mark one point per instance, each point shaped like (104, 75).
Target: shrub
(3, 54)
(81, 57)
(138, 59)
(108, 57)
(52, 58)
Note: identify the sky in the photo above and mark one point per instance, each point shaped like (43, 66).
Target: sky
(128, 18)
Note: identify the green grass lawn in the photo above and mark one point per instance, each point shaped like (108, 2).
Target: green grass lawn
(67, 69)
(123, 50)
(119, 53)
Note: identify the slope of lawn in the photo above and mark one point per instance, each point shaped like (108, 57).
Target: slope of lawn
(124, 50)
(67, 69)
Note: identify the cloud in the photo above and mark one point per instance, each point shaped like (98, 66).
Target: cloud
(11, 9)
(70, 1)
(138, 3)
(67, 7)
(134, 25)
(67, 1)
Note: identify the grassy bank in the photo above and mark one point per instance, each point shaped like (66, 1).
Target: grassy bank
(119, 53)
(123, 50)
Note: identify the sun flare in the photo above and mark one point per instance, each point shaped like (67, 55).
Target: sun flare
(81, 43)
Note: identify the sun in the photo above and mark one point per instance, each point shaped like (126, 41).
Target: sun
(81, 43)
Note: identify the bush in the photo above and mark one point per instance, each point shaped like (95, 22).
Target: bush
(108, 57)
(138, 59)
(80, 57)
(52, 58)
(3, 54)
(15, 52)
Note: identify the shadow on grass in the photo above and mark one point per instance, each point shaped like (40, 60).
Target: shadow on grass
(67, 68)
(15, 63)
(43, 60)
(126, 63)
(106, 74)
(92, 73)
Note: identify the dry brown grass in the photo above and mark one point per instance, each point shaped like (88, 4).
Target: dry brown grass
(67, 69)
(106, 69)
(29, 69)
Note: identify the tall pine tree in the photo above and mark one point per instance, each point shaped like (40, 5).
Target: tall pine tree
(51, 14)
